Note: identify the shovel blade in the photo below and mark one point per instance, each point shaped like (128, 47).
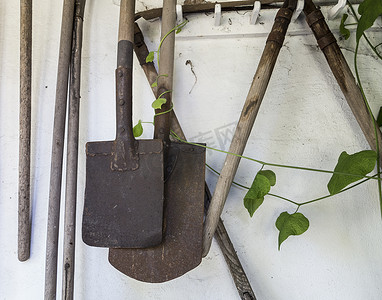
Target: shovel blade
(123, 208)
(181, 249)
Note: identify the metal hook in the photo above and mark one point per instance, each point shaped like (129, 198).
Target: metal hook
(218, 14)
(179, 14)
(255, 12)
(336, 9)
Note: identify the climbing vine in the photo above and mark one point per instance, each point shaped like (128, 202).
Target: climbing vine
(159, 101)
(350, 171)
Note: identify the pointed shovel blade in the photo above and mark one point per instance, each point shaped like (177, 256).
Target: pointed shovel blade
(181, 249)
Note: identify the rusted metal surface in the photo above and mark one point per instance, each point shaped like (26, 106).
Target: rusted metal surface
(181, 250)
(124, 178)
(24, 216)
(123, 209)
(124, 184)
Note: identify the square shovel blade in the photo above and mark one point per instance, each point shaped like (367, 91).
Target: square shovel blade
(123, 208)
(181, 249)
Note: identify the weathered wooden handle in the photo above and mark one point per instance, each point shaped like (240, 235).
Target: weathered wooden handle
(245, 124)
(166, 67)
(24, 219)
(57, 149)
(72, 156)
(341, 71)
(126, 14)
(238, 275)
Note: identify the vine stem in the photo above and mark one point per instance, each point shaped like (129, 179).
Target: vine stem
(374, 123)
(374, 48)
(178, 27)
(155, 83)
(165, 92)
(294, 202)
(164, 112)
(181, 25)
(267, 163)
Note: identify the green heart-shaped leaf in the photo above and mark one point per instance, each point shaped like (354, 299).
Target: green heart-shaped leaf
(150, 57)
(369, 10)
(360, 163)
(270, 175)
(157, 104)
(138, 129)
(261, 186)
(294, 224)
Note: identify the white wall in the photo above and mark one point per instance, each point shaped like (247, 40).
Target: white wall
(304, 120)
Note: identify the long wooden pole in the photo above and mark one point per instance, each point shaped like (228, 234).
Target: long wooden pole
(24, 218)
(72, 155)
(246, 121)
(57, 149)
(166, 66)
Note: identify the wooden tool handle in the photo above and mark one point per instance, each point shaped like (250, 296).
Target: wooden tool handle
(166, 67)
(69, 244)
(58, 149)
(126, 34)
(246, 121)
(342, 73)
(238, 275)
(24, 220)
(126, 14)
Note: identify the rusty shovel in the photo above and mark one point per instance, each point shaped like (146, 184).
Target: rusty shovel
(124, 178)
(181, 249)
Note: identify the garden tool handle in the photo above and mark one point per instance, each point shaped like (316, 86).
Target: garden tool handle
(166, 67)
(126, 16)
(69, 243)
(247, 119)
(24, 215)
(341, 71)
(58, 139)
(125, 156)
